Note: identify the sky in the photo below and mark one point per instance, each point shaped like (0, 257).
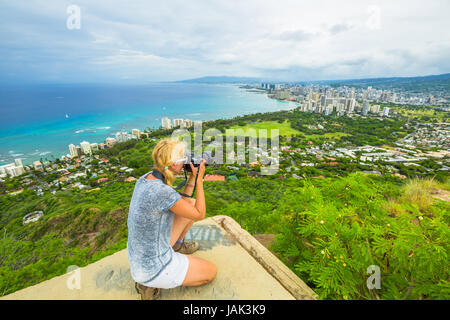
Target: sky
(148, 41)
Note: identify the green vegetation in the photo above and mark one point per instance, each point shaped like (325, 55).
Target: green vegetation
(419, 113)
(328, 231)
(283, 127)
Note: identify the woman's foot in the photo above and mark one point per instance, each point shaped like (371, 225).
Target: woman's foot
(147, 293)
(186, 247)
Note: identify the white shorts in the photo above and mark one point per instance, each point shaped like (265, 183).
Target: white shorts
(173, 274)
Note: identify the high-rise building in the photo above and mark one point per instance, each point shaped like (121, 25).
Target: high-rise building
(94, 147)
(187, 123)
(4, 168)
(122, 136)
(86, 147)
(73, 150)
(165, 123)
(178, 122)
(18, 162)
(78, 151)
(366, 108)
(375, 108)
(350, 105)
(385, 111)
(394, 97)
(136, 133)
(15, 171)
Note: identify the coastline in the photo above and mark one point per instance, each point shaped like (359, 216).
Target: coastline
(50, 139)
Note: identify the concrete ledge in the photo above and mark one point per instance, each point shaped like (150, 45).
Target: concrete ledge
(246, 271)
(287, 278)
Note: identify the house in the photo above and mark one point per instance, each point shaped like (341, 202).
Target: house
(102, 180)
(373, 172)
(129, 179)
(33, 216)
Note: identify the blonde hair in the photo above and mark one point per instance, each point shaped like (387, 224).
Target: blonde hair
(165, 153)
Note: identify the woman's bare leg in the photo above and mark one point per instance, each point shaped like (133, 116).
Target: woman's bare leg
(200, 272)
(180, 227)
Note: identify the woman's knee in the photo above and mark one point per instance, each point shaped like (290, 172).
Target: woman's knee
(212, 272)
(200, 271)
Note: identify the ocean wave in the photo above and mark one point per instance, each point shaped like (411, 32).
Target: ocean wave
(92, 129)
(44, 153)
(16, 154)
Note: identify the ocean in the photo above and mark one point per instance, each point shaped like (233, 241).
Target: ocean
(40, 121)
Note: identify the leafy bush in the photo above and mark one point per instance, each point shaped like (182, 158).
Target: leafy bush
(330, 236)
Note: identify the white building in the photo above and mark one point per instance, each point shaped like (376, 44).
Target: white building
(385, 111)
(73, 150)
(31, 217)
(4, 167)
(178, 122)
(136, 133)
(165, 123)
(14, 171)
(187, 123)
(94, 146)
(123, 136)
(86, 147)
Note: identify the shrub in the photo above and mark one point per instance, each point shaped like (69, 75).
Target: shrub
(330, 236)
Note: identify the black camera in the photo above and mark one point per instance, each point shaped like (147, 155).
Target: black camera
(196, 161)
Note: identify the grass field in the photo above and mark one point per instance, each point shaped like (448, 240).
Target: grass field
(284, 128)
(418, 113)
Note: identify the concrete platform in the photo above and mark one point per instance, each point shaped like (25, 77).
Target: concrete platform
(246, 270)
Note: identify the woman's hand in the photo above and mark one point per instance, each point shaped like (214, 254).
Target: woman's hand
(201, 171)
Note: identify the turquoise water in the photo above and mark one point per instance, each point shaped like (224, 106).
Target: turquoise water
(34, 124)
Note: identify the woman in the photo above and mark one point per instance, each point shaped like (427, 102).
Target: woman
(158, 220)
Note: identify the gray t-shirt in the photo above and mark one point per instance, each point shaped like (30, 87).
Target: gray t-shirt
(149, 228)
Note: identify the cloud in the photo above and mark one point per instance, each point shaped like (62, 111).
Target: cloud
(339, 28)
(296, 35)
(141, 41)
